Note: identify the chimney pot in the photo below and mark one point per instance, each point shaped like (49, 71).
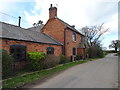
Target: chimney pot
(50, 5)
(19, 21)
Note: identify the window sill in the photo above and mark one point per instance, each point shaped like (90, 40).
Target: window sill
(74, 41)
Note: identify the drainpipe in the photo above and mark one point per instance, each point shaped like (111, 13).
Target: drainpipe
(64, 47)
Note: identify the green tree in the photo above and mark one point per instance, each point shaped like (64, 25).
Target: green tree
(115, 44)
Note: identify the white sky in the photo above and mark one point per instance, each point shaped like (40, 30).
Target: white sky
(75, 12)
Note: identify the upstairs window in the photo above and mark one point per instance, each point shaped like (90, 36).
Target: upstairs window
(18, 52)
(82, 39)
(50, 50)
(74, 36)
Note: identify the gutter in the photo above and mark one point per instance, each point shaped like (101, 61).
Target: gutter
(31, 41)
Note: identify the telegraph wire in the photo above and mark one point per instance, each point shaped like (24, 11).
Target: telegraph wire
(8, 15)
(14, 17)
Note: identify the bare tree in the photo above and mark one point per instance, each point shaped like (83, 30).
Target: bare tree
(115, 44)
(93, 34)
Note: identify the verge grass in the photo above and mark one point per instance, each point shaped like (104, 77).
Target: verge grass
(30, 77)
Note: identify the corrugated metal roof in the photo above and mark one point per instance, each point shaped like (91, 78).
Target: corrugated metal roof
(18, 33)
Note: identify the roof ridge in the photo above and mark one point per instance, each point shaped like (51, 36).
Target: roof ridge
(12, 25)
(36, 26)
(69, 26)
(18, 27)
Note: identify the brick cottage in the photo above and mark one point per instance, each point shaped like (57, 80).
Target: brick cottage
(55, 37)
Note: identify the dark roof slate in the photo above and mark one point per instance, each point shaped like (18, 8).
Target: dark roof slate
(36, 28)
(69, 26)
(18, 33)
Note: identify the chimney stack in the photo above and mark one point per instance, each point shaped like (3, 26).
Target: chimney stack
(19, 21)
(52, 12)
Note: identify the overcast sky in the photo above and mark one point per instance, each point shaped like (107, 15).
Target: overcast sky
(75, 12)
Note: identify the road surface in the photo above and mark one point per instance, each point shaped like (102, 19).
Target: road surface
(102, 73)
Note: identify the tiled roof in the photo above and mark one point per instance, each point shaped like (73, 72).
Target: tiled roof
(69, 26)
(36, 28)
(14, 32)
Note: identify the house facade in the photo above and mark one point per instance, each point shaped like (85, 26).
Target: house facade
(55, 37)
(72, 39)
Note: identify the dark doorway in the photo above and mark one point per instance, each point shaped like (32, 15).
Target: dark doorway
(74, 51)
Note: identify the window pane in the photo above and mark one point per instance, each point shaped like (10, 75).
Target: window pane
(11, 50)
(74, 37)
(19, 52)
(50, 50)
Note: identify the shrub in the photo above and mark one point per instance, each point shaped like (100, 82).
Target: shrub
(50, 61)
(35, 59)
(100, 53)
(110, 51)
(79, 57)
(63, 59)
(7, 64)
(118, 53)
(95, 51)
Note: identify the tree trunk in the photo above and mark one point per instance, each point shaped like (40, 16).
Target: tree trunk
(115, 49)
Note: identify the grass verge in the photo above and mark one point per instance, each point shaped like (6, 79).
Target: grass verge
(27, 78)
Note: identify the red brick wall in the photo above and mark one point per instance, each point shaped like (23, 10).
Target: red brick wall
(54, 28)
(81, 51)
(70, 44)
(31, 46)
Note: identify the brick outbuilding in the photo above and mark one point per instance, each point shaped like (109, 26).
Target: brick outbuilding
(20, 41)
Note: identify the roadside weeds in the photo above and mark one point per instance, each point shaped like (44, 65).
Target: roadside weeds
(38, 76)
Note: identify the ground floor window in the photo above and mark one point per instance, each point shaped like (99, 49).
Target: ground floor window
(18, 52)
(50, 50)
(74, 51)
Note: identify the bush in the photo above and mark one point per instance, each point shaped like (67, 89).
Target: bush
(92, 52)
(110, 51)
(50, 61)
(79, 57)
(95, 51)
(35, 59)
(7, 64)
(118, 53)
(105, 53)
(63, 59)
(100, 53)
